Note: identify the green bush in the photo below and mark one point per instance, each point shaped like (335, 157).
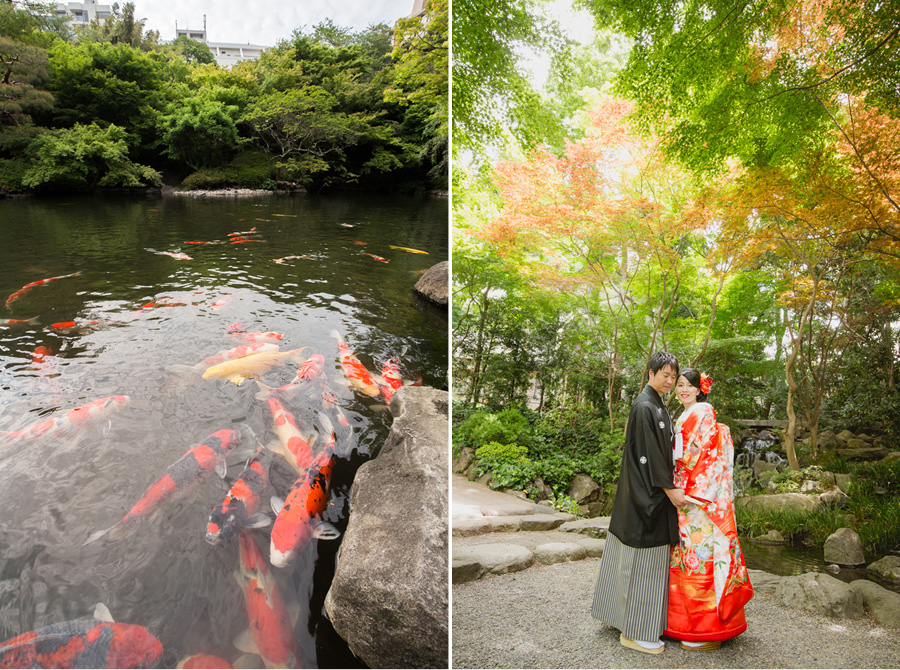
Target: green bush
(482, 427)
(567, 504)
(249, 169)
(11, 173)
(508, 464)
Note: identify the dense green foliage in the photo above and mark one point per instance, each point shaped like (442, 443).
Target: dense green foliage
(329, 107)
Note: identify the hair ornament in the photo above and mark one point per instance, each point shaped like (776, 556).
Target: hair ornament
(705, 383)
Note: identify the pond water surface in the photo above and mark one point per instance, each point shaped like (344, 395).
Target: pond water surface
(141, 318)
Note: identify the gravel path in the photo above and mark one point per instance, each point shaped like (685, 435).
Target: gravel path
(540, 618)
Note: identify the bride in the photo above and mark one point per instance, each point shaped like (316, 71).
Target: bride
(708, 581)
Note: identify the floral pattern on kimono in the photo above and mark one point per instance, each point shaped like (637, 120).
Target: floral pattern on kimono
(708, 580)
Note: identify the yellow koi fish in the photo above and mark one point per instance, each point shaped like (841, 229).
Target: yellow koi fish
(412, 251)
(253, 365)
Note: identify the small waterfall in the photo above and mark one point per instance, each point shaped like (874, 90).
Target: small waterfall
(759, 448)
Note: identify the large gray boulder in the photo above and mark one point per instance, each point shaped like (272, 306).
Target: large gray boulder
(820, 593)
(883, 604)
(780, 501)
(584, 490)
(845, 548)
(891, 457)
(828, 441)
(886, 569)
(764, 582)
(864, 453)
(388, 599)
(434, 283)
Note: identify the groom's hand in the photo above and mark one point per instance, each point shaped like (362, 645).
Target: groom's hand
(677, 497)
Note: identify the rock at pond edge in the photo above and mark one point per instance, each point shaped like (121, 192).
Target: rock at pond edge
(388, 599)
(434, 284)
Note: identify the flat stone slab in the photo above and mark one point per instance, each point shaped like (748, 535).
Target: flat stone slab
(596, 528)
(820, 593)
(592, 546)
(496, 558)
(467, 570)
(882, 603)
(559, 552)
(780, 501)
(486, 524)
(541, 522)
(473, 500)
(864, 453)
(886, 569)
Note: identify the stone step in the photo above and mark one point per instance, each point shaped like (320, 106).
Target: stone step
(472, 562)
(464, 527)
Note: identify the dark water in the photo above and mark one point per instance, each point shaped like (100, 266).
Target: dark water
(790, 559)
(54, 492)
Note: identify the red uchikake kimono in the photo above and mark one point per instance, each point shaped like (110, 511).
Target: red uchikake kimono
(708, 580)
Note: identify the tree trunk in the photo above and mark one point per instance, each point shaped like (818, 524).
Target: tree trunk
(796, 343)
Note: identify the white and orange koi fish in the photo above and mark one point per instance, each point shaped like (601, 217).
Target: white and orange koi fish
(177, 255)
(40, 282)
(296, 445)
(268, 336)
(85, 416)
(311, 369)
(390, 373)
(253, 365)
(356, 372)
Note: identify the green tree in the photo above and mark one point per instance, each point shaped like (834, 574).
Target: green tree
(192, 51)
(200, 133)
(85, 157)
(23, 71)
(120, 27)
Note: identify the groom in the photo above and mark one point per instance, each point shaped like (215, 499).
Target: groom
(644, 521)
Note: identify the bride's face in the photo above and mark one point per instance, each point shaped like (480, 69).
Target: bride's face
(687, 393)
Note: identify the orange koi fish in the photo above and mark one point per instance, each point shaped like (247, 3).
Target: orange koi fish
(390, 372)
(22, 291)
(236, 509)
(358, 242)
(212, 242)
(204, 662)
(180, 478)
(268, 337)
(356, 372)
(299, 514)
(296, 447)
(15, 322)
(377, 258)
(224, 300)
(85, 416)
(85, 643)
(310, 370)
(236, 327)
(39, 356)
(69, 325)
(271, 633)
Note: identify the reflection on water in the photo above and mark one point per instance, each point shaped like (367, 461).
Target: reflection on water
(154, 316)
(791, 559)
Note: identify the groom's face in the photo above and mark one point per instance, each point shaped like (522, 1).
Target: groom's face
(663, 379)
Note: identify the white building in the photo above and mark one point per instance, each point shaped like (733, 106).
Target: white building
(225, 53)
(81, 13)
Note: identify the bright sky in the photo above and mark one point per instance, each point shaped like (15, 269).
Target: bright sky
(263, 23)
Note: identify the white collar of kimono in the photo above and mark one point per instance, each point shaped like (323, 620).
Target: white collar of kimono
(679, 441)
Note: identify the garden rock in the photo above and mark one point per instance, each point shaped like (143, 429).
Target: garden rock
(828, 441)
(811, 486)
(498, 559)
(760, 466)
(864, 453)
(826, 478)
(467, 570)
(486, 524)
(592, 546)
(891, 457)
(584, 489)
(392, 566)
(882, 603)
(559, 552)
(764, 583)
(518, 493)
(565, 516)
(820, 593)
(844, 547)
(546, 503)
(474, 500)
(773, 537)
(541, 522)
(863, 436)
(857, 443)
(463, 462)
(594, 509)
(846, 435)
(544, 492)
(834, 498)
(596, 528)
(842, 481)
(780, 501)
(886, 569)
(434, 283)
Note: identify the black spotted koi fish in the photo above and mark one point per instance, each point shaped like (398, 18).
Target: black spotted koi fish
(41, 282)
(180, 478)
(85, 643)
(236, 509)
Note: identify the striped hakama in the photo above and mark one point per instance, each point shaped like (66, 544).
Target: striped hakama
(632, 589)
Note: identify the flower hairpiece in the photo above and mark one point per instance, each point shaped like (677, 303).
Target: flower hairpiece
(705, 383)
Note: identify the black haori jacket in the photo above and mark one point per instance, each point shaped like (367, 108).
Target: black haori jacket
(642, 514)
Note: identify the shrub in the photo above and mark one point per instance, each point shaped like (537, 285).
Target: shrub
(482, 427)
(249, 169)
(11, 173)
(508, 464)
(567, 504)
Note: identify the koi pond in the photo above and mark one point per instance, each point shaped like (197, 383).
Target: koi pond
(148, 290)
